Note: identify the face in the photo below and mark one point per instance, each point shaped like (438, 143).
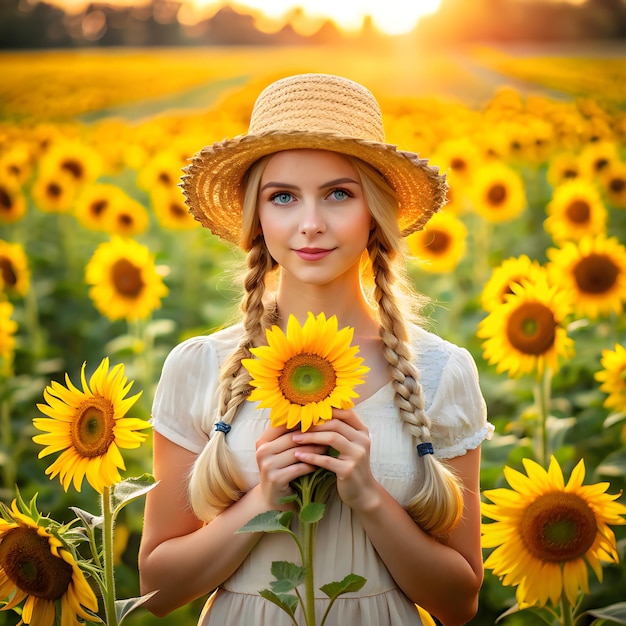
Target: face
(313, 215)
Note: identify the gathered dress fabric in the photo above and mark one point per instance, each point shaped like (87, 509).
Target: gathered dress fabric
(184, 412)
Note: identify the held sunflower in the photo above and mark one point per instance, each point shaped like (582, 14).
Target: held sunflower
(302, 374)
(35, 566)
(89, 427)
(545, 532)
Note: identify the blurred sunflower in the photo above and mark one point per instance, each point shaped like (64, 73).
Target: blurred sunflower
(613, 378)
(545, 532)
(12, 202)
(574, 211)
(93, 204)
(563, 167)
(8, 328)
(527, 332)
(89, 427)
(613, 182)
(460, 157)
(593, 270)
(509, 272)
(302, 374)
(163, 170)
(16, 164)
(124, 279)
(14, 273)
(171, 211)
(126, 217)
(36, 566)
(597, 157)
(74, 158)
(54, 193)
(498, 193)
(440, 245)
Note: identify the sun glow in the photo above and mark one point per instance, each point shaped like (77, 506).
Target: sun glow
(392, 17)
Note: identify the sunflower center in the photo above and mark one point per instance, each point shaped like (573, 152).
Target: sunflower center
(439, 242)
(7, 272)
(92, 430)
(596, 274)
(458, 164)
(164, 178)
(97, 207)
(5, 200)
(578, 212)
(532, 328)
(569, 174)
(27, 561)
(616, 185)
(75, 168)
(558, 527)
(54, 190)
(307, 378)
(176, 210)
(127, 278)
(496, 194)
(600, 164)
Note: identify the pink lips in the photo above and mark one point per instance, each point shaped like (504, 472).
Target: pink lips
(312, 254)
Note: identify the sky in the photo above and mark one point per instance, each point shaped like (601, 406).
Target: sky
(390, 16)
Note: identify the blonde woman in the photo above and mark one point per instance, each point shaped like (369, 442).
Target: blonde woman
(313, 194)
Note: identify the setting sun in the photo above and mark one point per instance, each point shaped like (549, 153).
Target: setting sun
(392, 17)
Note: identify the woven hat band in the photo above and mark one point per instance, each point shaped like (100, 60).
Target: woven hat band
(339, 107)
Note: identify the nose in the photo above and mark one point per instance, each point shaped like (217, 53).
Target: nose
(311, 220)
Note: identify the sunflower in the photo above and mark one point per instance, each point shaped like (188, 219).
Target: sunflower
(163, 170)
(613, 378)
(93, 204)
(613, 182)
(170, 209)
(597, 157)
(125, 282)
(303, 374)
(36, 566)
(14, 273)
(594, 271)
(498, 193)
(440, 245)
(527, 332)
(545, 531)
(509, 272)
(563, 167)
(54, 193)
(8, 328)
(74, 158)
(126, 217)
(16, 163)
(12, 202)
(574, 211)
(89, 427)
(460, 157)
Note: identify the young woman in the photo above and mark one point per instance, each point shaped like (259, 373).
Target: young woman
(319, 201)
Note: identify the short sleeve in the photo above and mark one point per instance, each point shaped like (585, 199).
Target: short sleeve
(185, 398)
(458, 411)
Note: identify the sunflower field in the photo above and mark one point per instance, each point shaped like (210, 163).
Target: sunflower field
(102, 272)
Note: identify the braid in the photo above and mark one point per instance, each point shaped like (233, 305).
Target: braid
(216, 480)
(438, 505)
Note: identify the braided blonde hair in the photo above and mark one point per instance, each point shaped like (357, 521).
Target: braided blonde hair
(216, 480)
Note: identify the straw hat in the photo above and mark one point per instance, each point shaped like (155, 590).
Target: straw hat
(318, 111)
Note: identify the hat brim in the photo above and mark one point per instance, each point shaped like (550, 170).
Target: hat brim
(212, 183)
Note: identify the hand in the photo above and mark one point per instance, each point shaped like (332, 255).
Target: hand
(347, 434)
(278, 465)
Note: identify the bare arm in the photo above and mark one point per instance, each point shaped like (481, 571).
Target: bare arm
(443, 577)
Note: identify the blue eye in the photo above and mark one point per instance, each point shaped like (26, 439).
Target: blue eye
(282, 197)
(340, 194)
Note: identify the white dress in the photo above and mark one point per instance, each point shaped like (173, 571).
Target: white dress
(184, 412)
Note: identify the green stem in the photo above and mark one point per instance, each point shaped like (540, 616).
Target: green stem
(308, 539)
(567, 618)
(9, 468)
(107, 549)
(542, 399)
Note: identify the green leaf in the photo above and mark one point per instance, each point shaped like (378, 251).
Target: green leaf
(129, 490)
(286, 602)
(350, 584)
(288, 576)
(312, 512)
(268, 522)
(615, 613)
(124, 607)
(88, 519)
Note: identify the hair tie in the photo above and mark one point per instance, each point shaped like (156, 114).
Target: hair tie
(425, 448)
(222, 427)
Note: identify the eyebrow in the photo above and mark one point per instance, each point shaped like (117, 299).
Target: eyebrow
(330, 183)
